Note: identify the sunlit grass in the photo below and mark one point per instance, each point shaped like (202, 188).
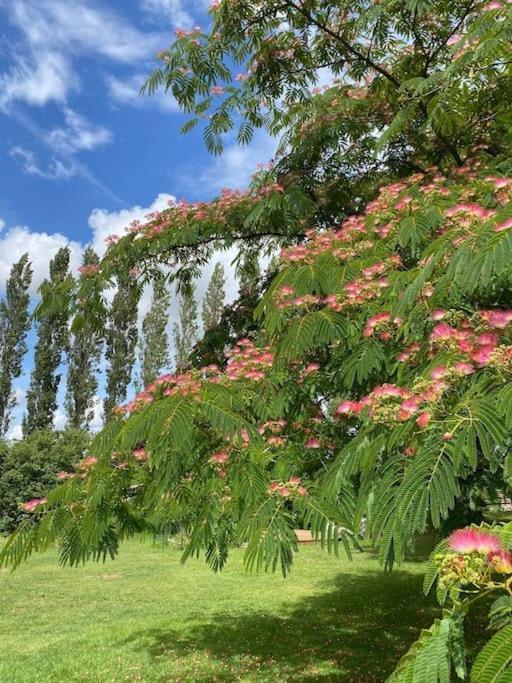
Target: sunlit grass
(146, 617)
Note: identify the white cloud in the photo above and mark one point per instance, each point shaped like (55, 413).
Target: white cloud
(48, 77)
(104, 223)
(55, 170)
(14, 433)
(81, 28)
(40, 246)
(127, 91)
(59, 419)
(78, 134)
(2, 224)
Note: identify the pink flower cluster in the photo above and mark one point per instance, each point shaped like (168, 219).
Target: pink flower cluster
(183, 213)
(495, 5)
(473, 541)
(370, 286)
(184, 33)
(467, 541)
(87, 463)
(466, 214)
(381, 323)
(475, 347)
(497, 319)
(184, 384)
(141, 454)
(288, 489)
(220, 457)
(408, 353)
(32, 505)
(389, 402)
(89, 269)
(246, 361)
(272, 432)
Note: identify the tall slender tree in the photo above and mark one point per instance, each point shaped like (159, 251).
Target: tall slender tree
(121, 338)
(154, 342)
(213, 302)
(249, 273)
(84, 356)
(186, 331)
(14, 325)
(52, 342)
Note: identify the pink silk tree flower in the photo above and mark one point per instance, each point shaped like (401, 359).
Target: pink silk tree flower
(313, 443)
(31, 505)
(473, 541)
(501, 560)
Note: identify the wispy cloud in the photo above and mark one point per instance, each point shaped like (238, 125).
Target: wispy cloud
(77, 134)
(54, 170)
(49, 79)
(81, 28)
(67, 162)
(177, 12)
(51, 36)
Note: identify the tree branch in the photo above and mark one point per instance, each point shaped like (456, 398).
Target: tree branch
(348, 47)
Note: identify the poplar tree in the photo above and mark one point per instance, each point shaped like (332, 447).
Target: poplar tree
(52, 342)
(84, 357)
(185, 332)
(14, 325)
(121, 342)
(213, 302)
(154, 342)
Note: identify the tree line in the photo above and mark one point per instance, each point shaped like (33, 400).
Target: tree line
(72, 353)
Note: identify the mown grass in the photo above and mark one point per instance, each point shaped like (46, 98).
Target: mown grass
(146, 617)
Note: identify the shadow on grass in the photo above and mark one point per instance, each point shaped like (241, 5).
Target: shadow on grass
(354, 629)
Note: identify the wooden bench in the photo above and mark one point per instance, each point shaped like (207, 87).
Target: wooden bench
(304, 536)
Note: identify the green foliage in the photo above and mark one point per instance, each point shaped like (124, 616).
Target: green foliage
(154, 343)
(437, 652)
(248, 269)
(374, 384)
(52, 341)
(29, 468)
(405, 94)
(186, 331)
(83, 359)
(213, 302)
(494, 663)
(14, 325)
(121, 341)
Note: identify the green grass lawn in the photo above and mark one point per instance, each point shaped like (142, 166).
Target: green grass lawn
(145, 617)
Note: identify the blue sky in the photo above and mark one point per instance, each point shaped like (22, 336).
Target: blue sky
(75, 135)
(81, 153)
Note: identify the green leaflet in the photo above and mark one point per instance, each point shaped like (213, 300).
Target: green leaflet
(311, 331)
(493, 663)
(432, 657)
